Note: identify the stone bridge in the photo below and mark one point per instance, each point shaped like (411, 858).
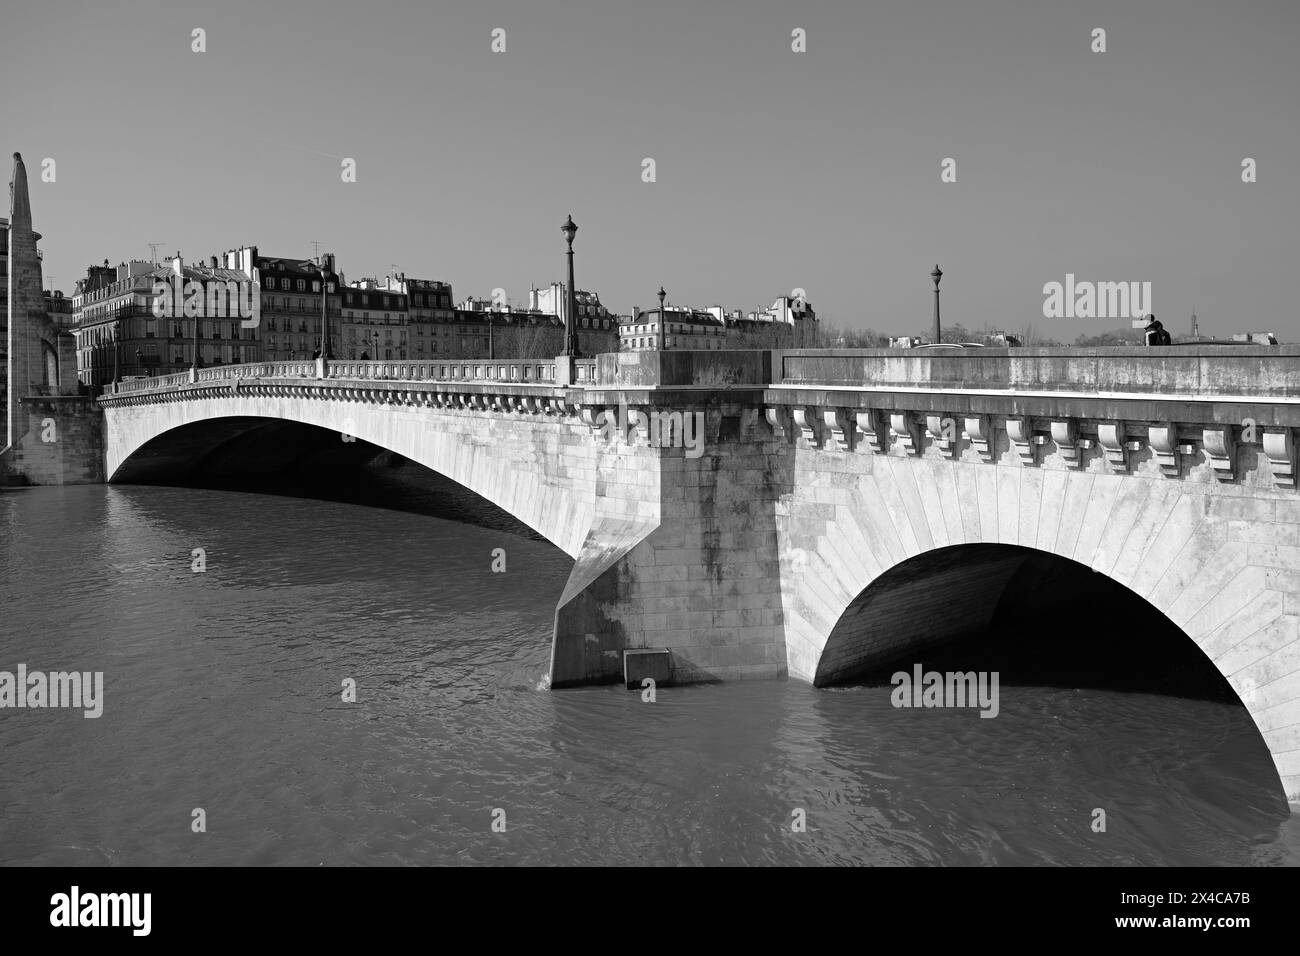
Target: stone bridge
(835, 511)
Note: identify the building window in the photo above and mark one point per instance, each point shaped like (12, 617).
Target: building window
(302, 285)
(284, 284)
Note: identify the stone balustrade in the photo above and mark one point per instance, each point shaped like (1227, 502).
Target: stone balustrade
(478, 370)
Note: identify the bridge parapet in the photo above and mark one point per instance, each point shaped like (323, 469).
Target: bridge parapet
(479, 370)
(1208, 413)
(1259, 372)
(545, 399)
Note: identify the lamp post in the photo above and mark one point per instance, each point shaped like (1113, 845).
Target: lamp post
(491, 342)
(117, 350)
(375, 354)
(194, 368)
(663, 322)
(139, 362)
(322, 367)
(936, 275)
(570, 229)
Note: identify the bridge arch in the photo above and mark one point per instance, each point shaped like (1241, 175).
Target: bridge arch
(1022, 611)
(540, 470)
(898, 562)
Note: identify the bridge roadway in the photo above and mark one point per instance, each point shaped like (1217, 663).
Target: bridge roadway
(850, 510)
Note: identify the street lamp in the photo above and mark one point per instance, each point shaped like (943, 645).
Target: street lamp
(663, 334)
(375, 354)
(139, 361)
(326, 352)
(936, 275)
(194, 373)
(324, 312)
(570, 229)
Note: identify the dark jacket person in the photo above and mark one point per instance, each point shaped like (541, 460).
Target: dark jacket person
(1155, 332)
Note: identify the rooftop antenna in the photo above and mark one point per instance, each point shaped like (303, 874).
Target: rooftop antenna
(153, 251)
(316, 246)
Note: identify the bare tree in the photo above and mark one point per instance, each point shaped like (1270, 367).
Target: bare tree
(1112, 337)
(759, 336)
(827, 336)
(527, 338)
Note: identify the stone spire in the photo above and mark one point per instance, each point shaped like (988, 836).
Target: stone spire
(30, 332)
(20, 205)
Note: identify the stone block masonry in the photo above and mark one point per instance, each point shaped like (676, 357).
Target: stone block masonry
(61, 443)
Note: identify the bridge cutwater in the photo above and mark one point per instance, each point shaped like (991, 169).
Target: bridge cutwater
(840, 506)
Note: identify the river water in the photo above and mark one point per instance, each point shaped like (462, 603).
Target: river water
(222, 692)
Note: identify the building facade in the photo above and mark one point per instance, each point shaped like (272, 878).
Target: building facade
(788, 322)
(684, 328)
(484, 328)
(592, 316)
(291, 307)
(429, 310)
(375, 320)
(138, 318)
(393, 318)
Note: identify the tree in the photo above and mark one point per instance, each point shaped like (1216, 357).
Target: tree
(827, 336)
(1112, 337)
(759, 336)
(525, 338)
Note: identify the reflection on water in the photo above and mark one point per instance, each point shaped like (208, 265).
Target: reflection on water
(223, 692)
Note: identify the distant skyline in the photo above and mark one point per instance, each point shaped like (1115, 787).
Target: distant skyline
(775, 169)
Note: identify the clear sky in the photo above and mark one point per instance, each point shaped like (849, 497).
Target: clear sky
(775, 169)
